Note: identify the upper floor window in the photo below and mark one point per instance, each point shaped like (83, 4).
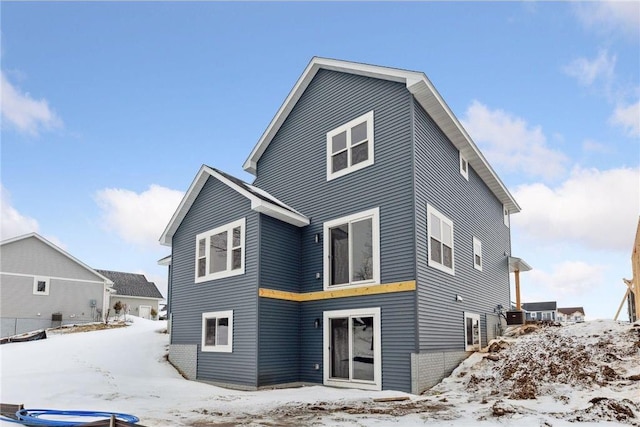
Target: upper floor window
(41, 285)
(464, 167)
(350, 147)
(440, 229)
(477, 254)
(217, 331)
(220, 252)
(505, 215)
(352, 250)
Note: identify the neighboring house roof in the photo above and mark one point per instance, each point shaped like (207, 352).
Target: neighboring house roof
(261, 201)
(540, 306)
(425, 93)
(107, 281)
(133, 285)
(571, 310)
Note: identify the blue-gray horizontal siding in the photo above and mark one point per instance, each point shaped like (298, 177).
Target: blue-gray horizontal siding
(293, 168)
(217, 205)
(278, 326)
(398, 335)
(475, 211)
(279, 339)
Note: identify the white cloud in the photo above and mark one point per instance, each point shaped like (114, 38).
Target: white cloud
(628, 117)
(511, 144)
(610, 16)
(12, 222)
(588, 72)
(138, 218)
(568, 278)
(26, 114)
(597, 209)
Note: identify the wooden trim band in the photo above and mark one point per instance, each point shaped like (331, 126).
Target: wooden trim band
(338, 293)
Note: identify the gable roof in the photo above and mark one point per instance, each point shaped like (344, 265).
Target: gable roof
(60, 250)
(540, 306)
(425, 93)
(570, 310)
(261, 201)
(130, 284)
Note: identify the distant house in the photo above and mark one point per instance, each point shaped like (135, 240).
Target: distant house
(134, 290)
(541, 310)
(372, 250)
(43, 286)
(571, 314)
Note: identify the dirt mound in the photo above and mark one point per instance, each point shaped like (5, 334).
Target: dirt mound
(605, 409)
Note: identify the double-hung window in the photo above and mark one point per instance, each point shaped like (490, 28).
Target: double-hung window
(220, 252)
(477, 254)
(464, 167)
(217, 331)
(352, 250)
(440, 233)
(350, 147)
(505, 215)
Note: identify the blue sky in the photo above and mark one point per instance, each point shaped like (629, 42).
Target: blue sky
(109, 109)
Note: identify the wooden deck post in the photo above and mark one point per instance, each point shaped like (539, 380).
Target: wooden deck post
(517, 274)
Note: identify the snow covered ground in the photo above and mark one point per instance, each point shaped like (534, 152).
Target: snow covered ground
(581, 375)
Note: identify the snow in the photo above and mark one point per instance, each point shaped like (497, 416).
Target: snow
(572, 373)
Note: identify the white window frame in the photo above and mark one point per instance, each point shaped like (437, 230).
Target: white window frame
(376, 384)
(374, 214)
(47, 284)
(368, 118)
(505, 215)
(477, 252)
(464, 166)
(432, 263)
(228, 272)
(475, 317)
(226, 348)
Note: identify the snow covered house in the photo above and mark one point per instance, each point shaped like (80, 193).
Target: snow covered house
(134, 290)
(371, 250)
(42, 286)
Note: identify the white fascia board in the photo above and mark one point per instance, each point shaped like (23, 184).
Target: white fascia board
(437, 108)
(301, 85)
(278, 212)
(185, 205)
(259, 205)
(270, 209)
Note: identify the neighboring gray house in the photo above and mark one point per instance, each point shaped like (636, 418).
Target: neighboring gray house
(134, 290)
(371, 251)
(547, 310)
(42, 286)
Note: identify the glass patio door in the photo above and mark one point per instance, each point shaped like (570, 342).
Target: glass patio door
(352, 350)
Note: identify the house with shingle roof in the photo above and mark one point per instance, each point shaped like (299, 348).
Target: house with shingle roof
(134, 290)
(546, 310)
(571, 314)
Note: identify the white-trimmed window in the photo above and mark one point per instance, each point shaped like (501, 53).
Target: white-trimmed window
(440, 233)
(220, 252)
(352, 250)
(477, 254)
(464, 166)
(505, 215)
(40, 285)
(350, 147)
(472, 338)
(217, 331)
